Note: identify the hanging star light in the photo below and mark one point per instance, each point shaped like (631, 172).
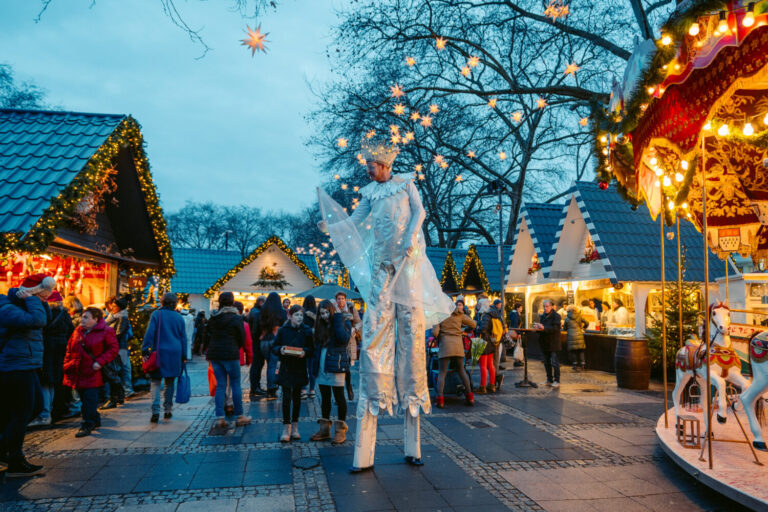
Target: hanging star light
(426, 121)
(471, 154)
(394, 129)
(399, 109)
(473, 61)
(502, 155)
(415, 116)
(343, 186)
(410, 61)
(397, 92)
(360, 159)
(465, 71)
(517, 116)
(255, 40)
(571, 69)
(541, 103)
(336, 177)
(434, 109)
(584, 121)
(395, 139)
(342, 142)
(492, 102)
(418, 167)
(556, 9)
(409, 136)
(443, 165)
(440, 43)
(439, 159)
(421, 176)
(370, 134)
(355, 188)
(459, 178)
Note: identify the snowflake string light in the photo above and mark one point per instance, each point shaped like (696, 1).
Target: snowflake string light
(517, 116)
(571, 69)
(471, 154)
(342, 142)
(255, 40)
(556, 9)
(492, 102)
(426, 121)
(399, 109)
(397, 92)
(434, 109)
(465, 71)
(370, 134)
(473, 61)
(415, 116)
(440, 43)
(410, 61)
(584, 121)
(541, 103)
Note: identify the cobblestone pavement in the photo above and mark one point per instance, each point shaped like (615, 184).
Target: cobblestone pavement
(586, 446)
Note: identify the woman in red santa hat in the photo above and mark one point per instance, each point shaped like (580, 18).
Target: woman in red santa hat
(23, 314)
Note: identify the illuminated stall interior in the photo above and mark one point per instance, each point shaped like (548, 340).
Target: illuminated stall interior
(77, 202)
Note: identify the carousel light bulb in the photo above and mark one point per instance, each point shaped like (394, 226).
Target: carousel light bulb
(671, 205)
(685, 205)
(657, 183)
(748, 130)
(749, 18)
(653, 161)
(708, 126)
(684, 164)
(723, 130)
(658, 171)
(694, 30)
(651, 89)
(765, 119)
(679, 177)
(667, 181)
(666, 40)
(722, 25)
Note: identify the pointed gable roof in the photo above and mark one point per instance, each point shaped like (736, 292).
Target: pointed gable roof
(445, 268)
(51, 160)
(473, 273)
(489, 257)
(628, 241)
(536, 228)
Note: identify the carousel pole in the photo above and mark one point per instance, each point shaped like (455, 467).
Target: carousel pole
(706, 293)
(679, 286)
(663, 317)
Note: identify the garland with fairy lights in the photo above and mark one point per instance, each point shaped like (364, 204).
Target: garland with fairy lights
(472, 257)
(62, 208)
(273, 240)
(449, 269)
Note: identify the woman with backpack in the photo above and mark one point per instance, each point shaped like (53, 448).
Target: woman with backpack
(485, 331)
(331, 336)
(293, 345)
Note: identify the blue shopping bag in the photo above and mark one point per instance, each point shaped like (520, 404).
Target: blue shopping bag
(184, 387)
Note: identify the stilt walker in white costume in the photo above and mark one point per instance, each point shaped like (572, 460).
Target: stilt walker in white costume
(382, 246)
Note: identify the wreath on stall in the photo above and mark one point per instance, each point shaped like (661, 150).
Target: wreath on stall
(271, 278)
(535, 265)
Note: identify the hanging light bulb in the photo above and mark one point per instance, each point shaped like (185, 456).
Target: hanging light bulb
(694, 30)
(765, 119)
(657, 183)
(671, 205)
(653, 161)
(723, 130)
(748, 130)
(722, 25)
(679, 177)
(658, 171)
(684, 164)
(603, 139)
(708, 126)
(749, 18)
(666, 40)
(685, 205)
(651, 89)
(667, 181)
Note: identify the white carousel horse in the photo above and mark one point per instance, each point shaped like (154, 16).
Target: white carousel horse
(758, 358)
(724, 363)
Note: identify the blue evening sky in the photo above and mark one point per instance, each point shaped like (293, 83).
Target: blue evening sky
(227, 128)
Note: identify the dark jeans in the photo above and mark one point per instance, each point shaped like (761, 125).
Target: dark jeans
(90, 412)
(325, 402)
(257, 366)
(21, 400)
(551, 362)
(577, 357)
(271, 360)
(291, 397)
(314, 367)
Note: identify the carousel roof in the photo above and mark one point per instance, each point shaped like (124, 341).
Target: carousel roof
(40, 154)
(198, 269)
(629, 238)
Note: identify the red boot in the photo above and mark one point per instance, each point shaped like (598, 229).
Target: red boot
(440, 402)
(469, 398)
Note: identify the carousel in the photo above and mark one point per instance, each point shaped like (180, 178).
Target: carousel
(686, 132)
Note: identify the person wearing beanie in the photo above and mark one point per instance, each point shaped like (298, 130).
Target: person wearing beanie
(23, 315)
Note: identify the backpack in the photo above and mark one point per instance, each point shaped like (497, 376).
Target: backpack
(497, 330)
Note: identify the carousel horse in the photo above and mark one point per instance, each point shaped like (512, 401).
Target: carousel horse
(751, 398)
(724, 363)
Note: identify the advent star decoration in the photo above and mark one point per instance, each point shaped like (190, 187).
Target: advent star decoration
(556, 9)
(571, 69)
(255, 40)
(397, 92)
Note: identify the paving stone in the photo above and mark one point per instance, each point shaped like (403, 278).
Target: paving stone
(266, 503)
(208, 506)
(363, 502)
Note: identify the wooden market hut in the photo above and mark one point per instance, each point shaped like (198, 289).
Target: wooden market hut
(533, 244)
(77, 201)
(271, 267)
(445, 269)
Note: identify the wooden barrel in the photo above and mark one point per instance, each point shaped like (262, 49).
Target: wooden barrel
(633, 363)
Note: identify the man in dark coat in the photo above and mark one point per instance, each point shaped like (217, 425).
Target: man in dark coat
(258, 357)
(549, 339)
(23, 314)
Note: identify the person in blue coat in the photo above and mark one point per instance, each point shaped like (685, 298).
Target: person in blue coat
(23, 314)
(167, 335)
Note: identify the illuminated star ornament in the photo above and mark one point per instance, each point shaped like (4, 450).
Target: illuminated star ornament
(502, 155)
(465, 71)
(571, 69)
(397, 92)
(255, 40)
(556, 9)
(517, 116)
(426, 121)
(370, 134)
(434, 109)
(410, 61)
(342, 142)
(473, 61)
(492, 102)
(584, 121)
(541, 103)
(415, 116)
(440, 43)
(399, 109)
(471, 154)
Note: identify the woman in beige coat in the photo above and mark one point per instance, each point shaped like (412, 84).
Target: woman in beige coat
(450, 337)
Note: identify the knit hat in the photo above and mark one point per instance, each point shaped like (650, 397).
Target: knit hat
(39, 280)
(55, 296)
(497, 302)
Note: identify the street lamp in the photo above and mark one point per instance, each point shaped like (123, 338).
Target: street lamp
(226, 239)
(497, 187)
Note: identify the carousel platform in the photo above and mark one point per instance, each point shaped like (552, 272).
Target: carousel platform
(734, 473)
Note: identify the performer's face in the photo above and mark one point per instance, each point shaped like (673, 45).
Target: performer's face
(297, 318)
(378, 171)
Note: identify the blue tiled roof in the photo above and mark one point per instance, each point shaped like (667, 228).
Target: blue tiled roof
(489, 258)
(630, 239)
(437, 256)
(40, 153)
(311, 262)
(198, 269)
(459, 256)
(542, 220)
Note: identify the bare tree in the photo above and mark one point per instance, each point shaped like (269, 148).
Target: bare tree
(14, 94)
